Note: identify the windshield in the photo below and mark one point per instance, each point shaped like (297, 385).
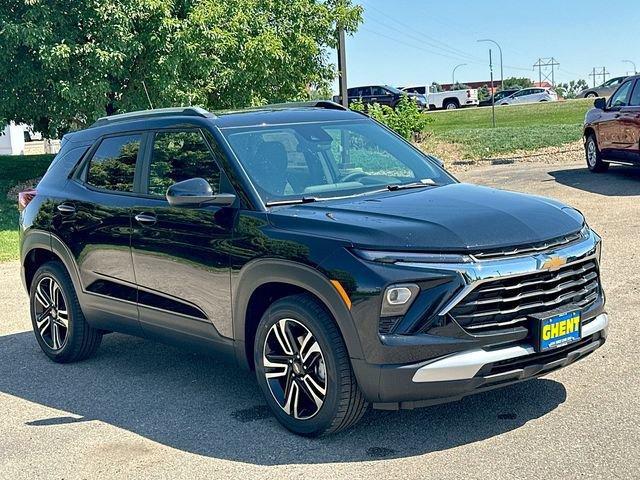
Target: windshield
(394, 89)
(332, 159)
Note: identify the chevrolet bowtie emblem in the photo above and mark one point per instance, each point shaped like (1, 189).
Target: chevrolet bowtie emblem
(553, 262)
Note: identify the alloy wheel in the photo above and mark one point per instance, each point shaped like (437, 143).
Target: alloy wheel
(51, 313)
(592, 154)
(295, 369)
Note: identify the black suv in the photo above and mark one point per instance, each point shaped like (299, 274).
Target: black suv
(312, 245)
(383, 95)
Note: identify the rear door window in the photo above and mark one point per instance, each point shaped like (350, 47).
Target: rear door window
(113, 165)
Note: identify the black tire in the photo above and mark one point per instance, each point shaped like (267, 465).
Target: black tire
(80, 340)
(593, 155)
(591, 95)
(451, 105)
(343, 404)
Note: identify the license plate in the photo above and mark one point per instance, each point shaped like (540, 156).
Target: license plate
(557, 330)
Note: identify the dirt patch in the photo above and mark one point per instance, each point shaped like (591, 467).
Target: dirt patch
(452, 156)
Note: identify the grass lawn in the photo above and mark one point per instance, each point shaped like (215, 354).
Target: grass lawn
(14, 170)
(518, 127)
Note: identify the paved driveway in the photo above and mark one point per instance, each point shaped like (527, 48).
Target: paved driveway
(145, 410)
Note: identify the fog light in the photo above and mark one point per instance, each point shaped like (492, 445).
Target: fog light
(398, 298)
(398, 295)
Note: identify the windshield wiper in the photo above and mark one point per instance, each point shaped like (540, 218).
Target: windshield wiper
(426, 182)
(294, 201)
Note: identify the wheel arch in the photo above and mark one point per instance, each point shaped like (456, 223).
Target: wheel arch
(39, 247)
(450, 100)
(263, 281)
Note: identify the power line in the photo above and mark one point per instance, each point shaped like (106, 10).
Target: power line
(433, 42)
(602, 74)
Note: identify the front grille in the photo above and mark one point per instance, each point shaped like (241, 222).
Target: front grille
(507, 302)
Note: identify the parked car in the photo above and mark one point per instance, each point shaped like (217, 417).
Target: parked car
(604, 90)
(381, 94)
(449, 100)
(315, 247)
(612, 128)
(530, 95)
(497, 97)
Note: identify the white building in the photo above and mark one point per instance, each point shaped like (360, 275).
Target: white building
(12, 140)
(20, 139)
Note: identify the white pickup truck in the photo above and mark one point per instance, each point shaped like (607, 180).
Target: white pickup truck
(448, 100)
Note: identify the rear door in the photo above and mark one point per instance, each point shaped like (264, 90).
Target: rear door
(94, 222)
(181, 254)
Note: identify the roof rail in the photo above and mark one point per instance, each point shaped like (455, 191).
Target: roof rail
(328, 104)
(157, 112)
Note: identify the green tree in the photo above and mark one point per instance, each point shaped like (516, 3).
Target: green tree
(571, 89)
(516, 82)
(65, 63)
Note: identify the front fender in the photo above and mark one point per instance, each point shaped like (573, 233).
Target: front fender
(262, 271)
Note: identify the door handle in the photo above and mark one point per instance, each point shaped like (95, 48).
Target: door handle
(145, 218)
(66, 208)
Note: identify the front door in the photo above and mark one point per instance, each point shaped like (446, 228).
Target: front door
(613, 138)
(630, 121)
(181, 254)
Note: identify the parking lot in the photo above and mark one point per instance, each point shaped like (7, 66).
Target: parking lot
(145, 410)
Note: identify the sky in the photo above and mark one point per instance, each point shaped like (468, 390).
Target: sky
(403, 42)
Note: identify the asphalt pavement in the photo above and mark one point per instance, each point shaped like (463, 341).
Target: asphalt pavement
(145, 410)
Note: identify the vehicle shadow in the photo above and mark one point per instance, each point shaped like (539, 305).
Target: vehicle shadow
(196, 404)
(617, 181)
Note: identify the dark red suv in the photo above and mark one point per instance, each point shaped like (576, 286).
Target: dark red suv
(612, 128)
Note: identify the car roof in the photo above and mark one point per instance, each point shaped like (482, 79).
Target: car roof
(278, 116)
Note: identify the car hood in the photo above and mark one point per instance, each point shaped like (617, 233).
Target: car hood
(457, 217)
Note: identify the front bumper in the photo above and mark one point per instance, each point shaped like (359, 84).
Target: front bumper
(455, 376)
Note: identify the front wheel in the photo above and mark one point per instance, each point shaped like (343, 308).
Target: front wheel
(594, 157)
(303, 368)
(591, 95)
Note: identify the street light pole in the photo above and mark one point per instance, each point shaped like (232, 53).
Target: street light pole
(500, 50)
(635, 70)
(453, 74)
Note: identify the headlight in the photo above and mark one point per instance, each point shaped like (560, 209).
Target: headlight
(411, 257)
(398, 298)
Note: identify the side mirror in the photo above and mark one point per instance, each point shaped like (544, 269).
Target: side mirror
(600, 103)
(196, 192)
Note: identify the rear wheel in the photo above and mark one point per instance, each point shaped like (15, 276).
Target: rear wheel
(450, 105)
(303, 368)
(58, 323)
(594, 157)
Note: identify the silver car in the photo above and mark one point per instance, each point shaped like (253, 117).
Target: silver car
(604, 90)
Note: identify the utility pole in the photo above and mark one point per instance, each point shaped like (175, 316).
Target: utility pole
(342, 68)
(545, 63)
(595, 75)
(493, 96)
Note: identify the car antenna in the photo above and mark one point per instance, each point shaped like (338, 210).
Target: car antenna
(144, 85)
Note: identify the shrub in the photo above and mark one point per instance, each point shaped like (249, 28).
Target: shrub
(407, 120)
